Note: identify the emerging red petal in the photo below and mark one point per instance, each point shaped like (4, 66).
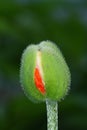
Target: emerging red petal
(38, 81)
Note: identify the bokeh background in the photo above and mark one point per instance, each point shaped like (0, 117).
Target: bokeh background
(23, 22)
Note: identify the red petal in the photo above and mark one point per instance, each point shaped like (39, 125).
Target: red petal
(38, 81)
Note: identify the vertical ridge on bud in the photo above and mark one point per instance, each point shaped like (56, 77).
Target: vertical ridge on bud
(38, 74)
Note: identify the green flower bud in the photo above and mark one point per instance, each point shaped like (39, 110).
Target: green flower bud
(44, 73)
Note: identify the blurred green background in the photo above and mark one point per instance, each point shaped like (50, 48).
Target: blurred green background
(23, 22)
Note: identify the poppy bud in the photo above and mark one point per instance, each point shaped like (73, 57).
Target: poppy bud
(44, 73)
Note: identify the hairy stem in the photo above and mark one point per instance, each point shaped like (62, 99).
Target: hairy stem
(52, 115)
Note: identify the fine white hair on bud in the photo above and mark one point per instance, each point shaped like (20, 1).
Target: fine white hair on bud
(44, 73)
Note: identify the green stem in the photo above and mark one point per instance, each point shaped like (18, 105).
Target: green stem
(52, 115)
